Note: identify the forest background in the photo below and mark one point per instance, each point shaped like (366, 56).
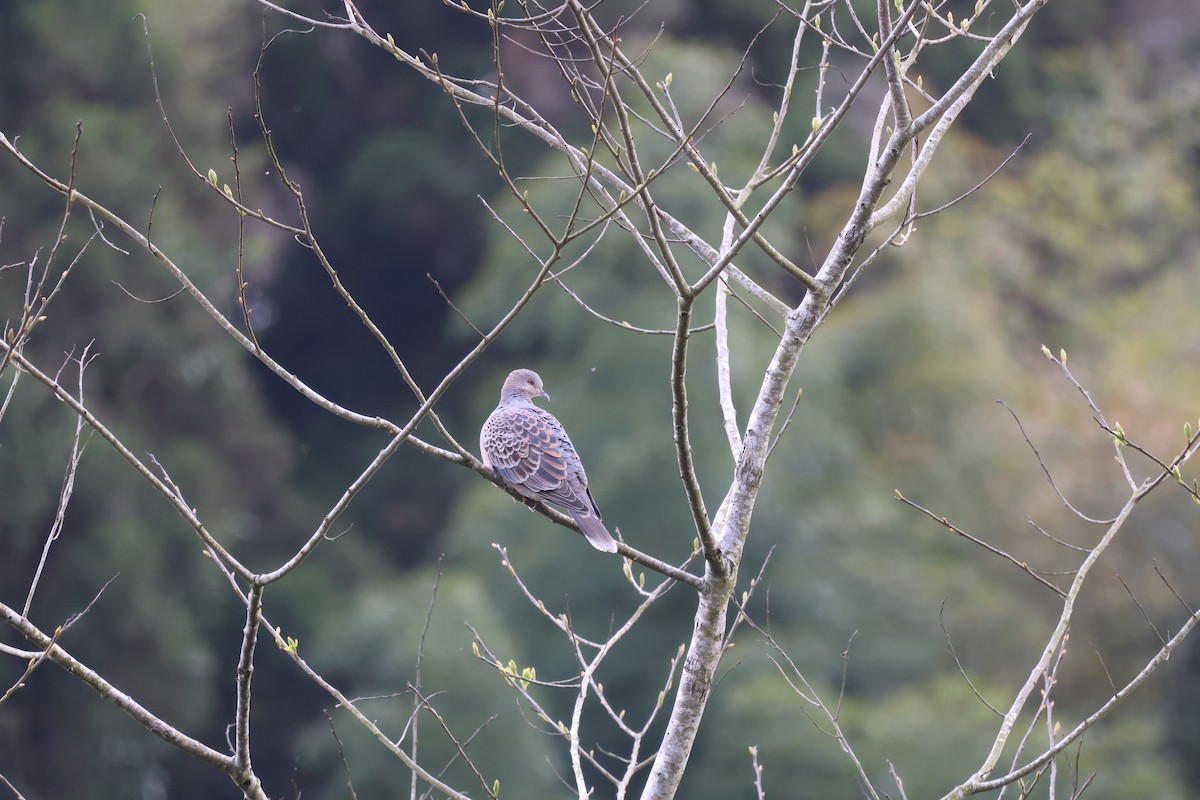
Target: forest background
(1087, 241)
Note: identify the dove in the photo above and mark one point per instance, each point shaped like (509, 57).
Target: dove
(528, 448)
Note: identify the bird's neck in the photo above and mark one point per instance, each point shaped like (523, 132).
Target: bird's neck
(515, 399)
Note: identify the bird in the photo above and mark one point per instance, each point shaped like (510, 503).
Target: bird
(531, 452)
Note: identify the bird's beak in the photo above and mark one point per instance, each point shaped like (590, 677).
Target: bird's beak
(545, 395)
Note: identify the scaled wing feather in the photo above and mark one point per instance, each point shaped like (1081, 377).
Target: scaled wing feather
(528, 448)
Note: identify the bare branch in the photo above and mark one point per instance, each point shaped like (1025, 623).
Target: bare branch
(242, 772)
(1046, 471)
(158, 727)
(416, 682)
(68, 487)
(683, 445)
(758, 773)
(394, 748)
(962, 670)
(182, 508)
(8, 784)
(724, 389)
(990, 548)
(1052, 645)
(342, 755)
(942, 114)
(978, 783)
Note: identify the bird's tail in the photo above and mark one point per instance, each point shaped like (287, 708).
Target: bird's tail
(597, 535)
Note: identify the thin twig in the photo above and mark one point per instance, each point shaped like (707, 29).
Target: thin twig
(16, 794)
(990, 548)
(1182, 602)
(458, 746)
(962, 670)
(344, 702)
(416, 682)
(450, 303)
(758, 773)
(1046, 470)
(896, 779)
(1141, 608)
(240, 271)
(977, 186)
(67, 490)
(342, 756)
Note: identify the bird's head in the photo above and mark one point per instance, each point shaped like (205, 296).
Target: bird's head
(523, 383)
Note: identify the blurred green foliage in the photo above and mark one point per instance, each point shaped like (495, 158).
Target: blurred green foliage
(1086, 241)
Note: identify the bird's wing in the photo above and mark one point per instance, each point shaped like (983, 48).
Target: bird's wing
(529, 448)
